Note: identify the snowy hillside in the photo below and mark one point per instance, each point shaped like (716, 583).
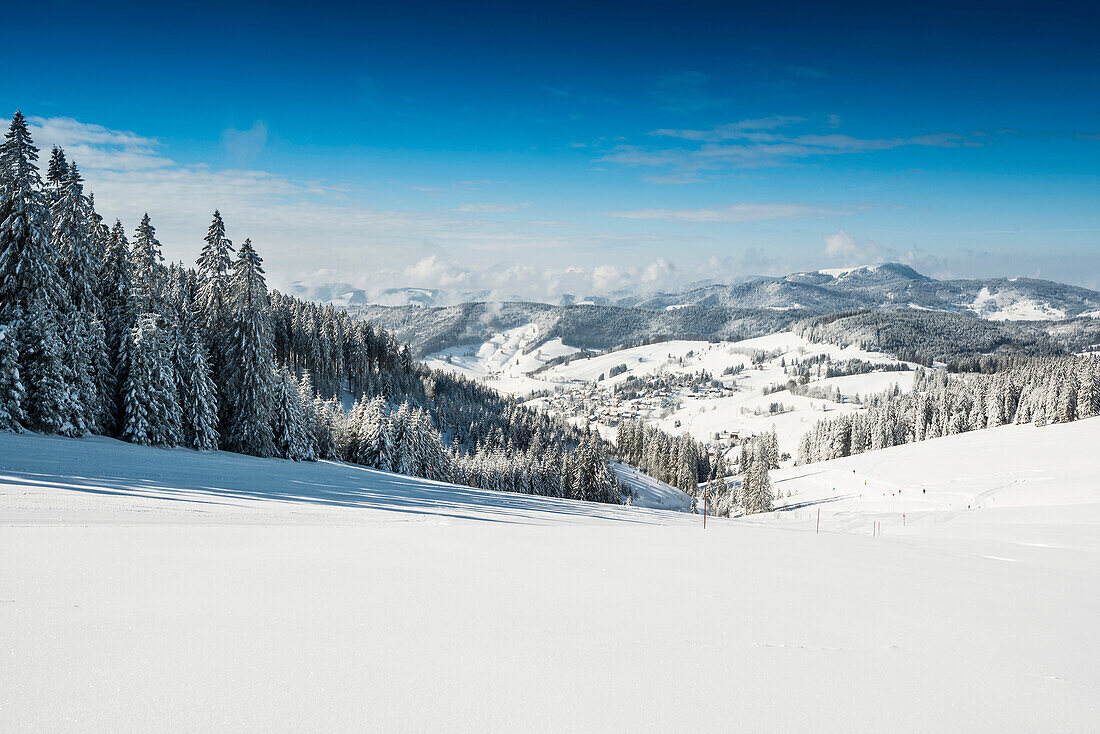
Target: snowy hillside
(149, 589)
(1012, 474)
(508, 363)
(504, 361)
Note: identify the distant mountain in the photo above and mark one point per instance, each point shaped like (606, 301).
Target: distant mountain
(890, 285)
(735, 310)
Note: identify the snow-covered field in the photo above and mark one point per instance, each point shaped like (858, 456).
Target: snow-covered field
(155, 590)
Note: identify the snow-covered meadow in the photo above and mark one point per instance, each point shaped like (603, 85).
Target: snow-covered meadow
(152, 589)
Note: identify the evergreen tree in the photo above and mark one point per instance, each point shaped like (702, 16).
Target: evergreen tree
(56, 171)
(249, 367)
(71, 238)
(149, 273)
(151, 413)
(375, 443)
(77, 365)
(12, 392)
(117, 304)
(198, 398)
(28, 268)
(99, 407)
(292, 439)
(49, 401)
(215, 266)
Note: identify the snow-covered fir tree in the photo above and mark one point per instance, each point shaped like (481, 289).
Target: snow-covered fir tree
(147, 266)
(12, 392)
(48, 404)
(374, 444)
(197, 396)
(151, 411)
(246, 399)
(28, 267)
(119, 315)
(292, 438)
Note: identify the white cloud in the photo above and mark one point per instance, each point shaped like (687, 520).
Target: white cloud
(842, 247)
(490, 208)
(734, 213)
(840, 243)
(243, 146)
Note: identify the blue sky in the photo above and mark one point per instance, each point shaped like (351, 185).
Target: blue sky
(529, 149)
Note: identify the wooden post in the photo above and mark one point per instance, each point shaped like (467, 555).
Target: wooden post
(818, 529)
(705, 488)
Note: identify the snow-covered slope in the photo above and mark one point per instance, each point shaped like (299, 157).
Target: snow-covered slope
(651, 492)
(744, 409)
(152, 590)
(1013, 473)
(1002, 306)
(504, 361)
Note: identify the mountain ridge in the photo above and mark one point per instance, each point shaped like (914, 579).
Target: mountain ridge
(732, 310)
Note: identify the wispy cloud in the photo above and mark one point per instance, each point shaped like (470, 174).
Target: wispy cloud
(95, 146)
(735, 213)
(685, 92)
(759, 142)
(744, 129)
(490, 208)
(243, 146)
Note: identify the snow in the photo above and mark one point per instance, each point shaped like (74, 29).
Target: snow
(164, 590)
(1025, 466)
(651, 492)
(503, 362)
(840, 272)
(1001, 307)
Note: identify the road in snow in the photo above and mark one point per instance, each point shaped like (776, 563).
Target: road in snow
(153, 590)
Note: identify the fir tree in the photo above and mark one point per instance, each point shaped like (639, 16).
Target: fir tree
(198, 398)
(28, 267)
(49, 401)
(375, 442)
(77, 366)
(249, 368)
(151, 413)
(117, 304)
(56, 171)
(215, 265)
(12, 392)
(101, 410)
(149, 273)
(72, 239)
(292, 439)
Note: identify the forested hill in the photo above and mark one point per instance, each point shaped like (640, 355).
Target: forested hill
(431, 329)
